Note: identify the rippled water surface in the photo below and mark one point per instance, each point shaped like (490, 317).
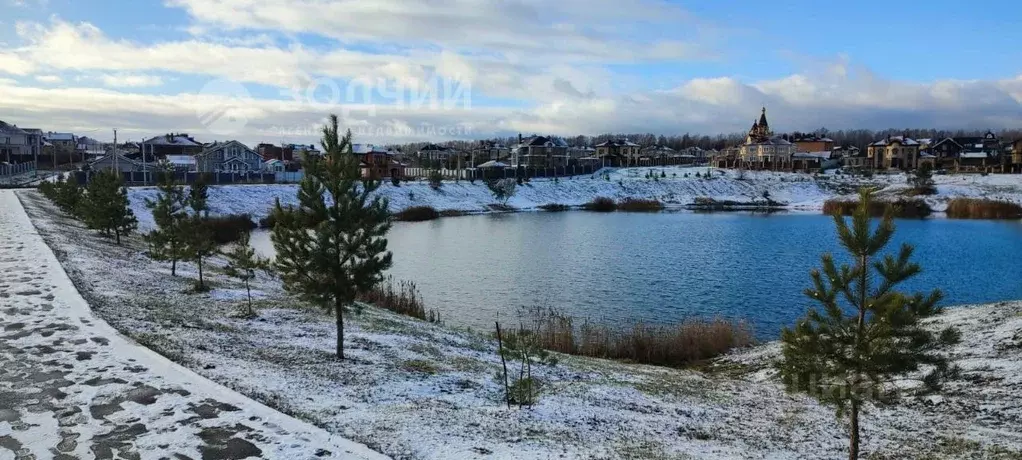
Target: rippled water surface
(664, 267)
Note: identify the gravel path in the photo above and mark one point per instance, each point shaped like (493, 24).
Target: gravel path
(72, 387)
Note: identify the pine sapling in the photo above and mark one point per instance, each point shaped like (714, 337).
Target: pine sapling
(849, 360)
(167, 241)
(242, 264)
(332, 246)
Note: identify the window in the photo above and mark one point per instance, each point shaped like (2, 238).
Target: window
(7, 140)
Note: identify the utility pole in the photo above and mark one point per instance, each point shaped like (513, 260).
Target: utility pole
(115, 151)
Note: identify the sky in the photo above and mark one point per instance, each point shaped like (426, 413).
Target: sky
(433, 70)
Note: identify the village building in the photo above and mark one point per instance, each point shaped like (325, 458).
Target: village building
(14, 144)
(377, 162)
(618, 152)
(806, 144)
(230, 156)
(972, 153)
(172, 144)
(764, 150)
(894, 152)
(541, 152)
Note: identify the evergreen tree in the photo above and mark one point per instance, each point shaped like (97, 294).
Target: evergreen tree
(850, 359)
(331, 246)
(197, 235)
(105, 207)
(242, 263)
(169, 210)
(198, 196)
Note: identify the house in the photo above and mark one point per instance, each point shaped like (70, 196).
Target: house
(658, 151)
(274, 152)
(117, 160)
(967, 153)
(14, 144)
(812, 161)
(302, 150)
(90, 147)
(813, 143)
(764, 150)
(377, 162)
(618, 152)
(274, 165)
(490, 151)
(578, 152)
(172, 144)
(36, 141)
(541, 152)
(894, 152)
(65, 142)
(433, 152)
(1014, 158)
(230, 156)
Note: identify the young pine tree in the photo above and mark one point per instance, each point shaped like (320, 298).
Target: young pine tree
(332, 246)
(196, 232)
(105, 207)
(242, 263)
(198, 196)
(167, 241)
(868, 333)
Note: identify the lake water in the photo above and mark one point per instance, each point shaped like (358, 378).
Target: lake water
(664, 267)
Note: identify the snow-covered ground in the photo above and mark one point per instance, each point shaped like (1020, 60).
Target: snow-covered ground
(420, 391)
(73, 387)
(680, 187)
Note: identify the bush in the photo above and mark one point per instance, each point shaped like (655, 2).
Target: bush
(436, 180)
(555, 207)
(639, 205)
(901, 208)
(395, 180)
(229, 228)
(685, 343)
(268, 222)
(601, 204)
(981, 208)
(417, 214)
(403, 300)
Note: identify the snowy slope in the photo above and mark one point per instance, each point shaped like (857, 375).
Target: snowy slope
(795, 190)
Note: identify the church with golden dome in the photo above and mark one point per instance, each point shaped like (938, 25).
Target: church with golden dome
(764, 150)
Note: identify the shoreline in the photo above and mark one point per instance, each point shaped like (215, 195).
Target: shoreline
(423, 390)
(799, 192)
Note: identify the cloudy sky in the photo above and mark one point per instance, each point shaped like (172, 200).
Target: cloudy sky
(407, 70)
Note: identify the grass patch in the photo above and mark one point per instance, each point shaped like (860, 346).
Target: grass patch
(500, 207)
(681, 344)
(601, 204)
(555, 207)
(417, 214)
(420, 365)
(982, 208)
(403, 299)
(902, 207)
(640, 205)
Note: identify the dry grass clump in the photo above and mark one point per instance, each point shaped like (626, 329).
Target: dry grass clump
(679, 344)
(901, 208)
(403, 299)
(640, 205)
(417, 214)
(982, 208)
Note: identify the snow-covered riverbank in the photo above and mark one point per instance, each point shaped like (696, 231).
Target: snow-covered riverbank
(680, 187)
(416, 390)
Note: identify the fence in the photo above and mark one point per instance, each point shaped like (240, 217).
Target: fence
(18, 174)
(501, 173)
(142, 178)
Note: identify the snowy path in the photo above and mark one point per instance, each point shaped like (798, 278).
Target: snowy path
(72, 387)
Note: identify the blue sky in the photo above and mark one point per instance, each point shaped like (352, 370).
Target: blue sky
(566, 67)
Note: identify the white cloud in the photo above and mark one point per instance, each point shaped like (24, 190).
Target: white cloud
(128, 80)
(49, 78)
